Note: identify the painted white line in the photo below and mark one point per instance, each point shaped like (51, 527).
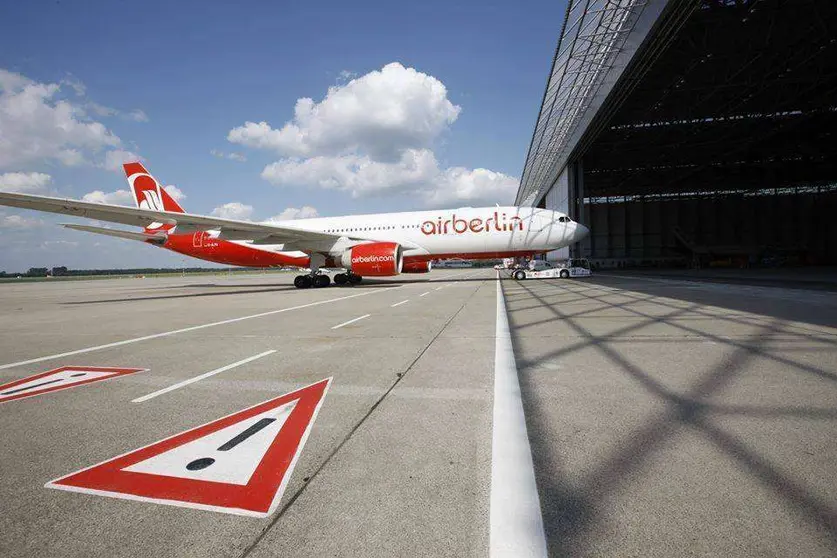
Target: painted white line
(515, 515)
(425, 294)
(187, 329)
(202, 376)
(338, 326)
(438, 288)
(399, 303)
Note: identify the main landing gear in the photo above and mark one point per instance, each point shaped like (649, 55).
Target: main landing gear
(343, 278)
(315, 280)
(320, 280)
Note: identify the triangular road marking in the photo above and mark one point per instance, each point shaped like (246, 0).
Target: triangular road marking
(58, 379)
(238, 464)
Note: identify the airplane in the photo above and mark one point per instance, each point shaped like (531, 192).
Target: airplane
(376, 245)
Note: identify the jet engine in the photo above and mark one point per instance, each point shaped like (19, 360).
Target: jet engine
(376, 259)
(417, 267)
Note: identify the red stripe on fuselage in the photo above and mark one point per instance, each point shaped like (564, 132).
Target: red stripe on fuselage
(200, 245)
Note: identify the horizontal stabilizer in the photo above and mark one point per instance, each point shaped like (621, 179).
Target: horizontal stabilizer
(142, 237)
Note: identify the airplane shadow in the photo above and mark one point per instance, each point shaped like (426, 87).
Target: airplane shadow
(185, 295)
(275, 288)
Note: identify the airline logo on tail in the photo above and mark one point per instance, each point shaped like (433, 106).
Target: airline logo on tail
(148, 193)
(152, 200)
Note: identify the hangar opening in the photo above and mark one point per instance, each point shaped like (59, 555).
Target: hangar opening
(692, 132)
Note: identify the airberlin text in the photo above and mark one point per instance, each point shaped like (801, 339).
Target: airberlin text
(374, 258)
(455, 225)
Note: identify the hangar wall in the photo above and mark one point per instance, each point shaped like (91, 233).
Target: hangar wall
(789, 225)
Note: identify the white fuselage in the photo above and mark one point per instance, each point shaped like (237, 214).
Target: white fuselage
(486, 232)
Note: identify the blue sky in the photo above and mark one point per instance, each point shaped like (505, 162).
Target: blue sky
(431, 104)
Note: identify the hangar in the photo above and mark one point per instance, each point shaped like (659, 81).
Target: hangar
(692, 132)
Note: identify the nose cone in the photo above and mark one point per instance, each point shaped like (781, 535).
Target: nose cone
(581, 232)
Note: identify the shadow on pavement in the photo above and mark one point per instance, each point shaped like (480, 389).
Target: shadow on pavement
(808, 306)
(576, 508)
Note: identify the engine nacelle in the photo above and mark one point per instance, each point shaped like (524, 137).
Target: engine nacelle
(417, 267)
(376, 259)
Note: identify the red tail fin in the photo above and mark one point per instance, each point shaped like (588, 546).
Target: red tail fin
(148, 193)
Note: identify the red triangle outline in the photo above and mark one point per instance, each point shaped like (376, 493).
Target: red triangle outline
(260, 496)
(119, 371)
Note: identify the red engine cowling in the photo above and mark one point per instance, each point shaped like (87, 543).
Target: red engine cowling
(376, 259)
(417, 267)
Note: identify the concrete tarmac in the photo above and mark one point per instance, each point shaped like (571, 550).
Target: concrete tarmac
(665, 418)
(675, 418)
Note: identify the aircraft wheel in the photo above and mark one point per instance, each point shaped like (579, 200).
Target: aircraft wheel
(564, 274)
(321, 281)
(355, 279)
(340, 279)
(302, 281)
(520, 275)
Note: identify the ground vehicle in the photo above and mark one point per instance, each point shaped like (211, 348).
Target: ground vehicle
(542, 269)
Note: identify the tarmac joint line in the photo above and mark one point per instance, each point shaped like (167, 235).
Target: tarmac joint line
(400, 376)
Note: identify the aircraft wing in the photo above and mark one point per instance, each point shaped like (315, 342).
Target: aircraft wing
(230, 229)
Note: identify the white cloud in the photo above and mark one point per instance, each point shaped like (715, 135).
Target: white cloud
(175, 192)
(11, 81)
(231, 156)
(233, 210)
(71, 157)
(25, 182)
(137, 115)
(75, 84)
(119, 197)
(304, 212)
(19, 222)
(37, 124)
(125, 197)
(373, 136)
(358, 175)
(380, 114)
(114, 159)
(101, 110)
(346, 75)
(417, 172)
(243, 212)
(458, 184)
